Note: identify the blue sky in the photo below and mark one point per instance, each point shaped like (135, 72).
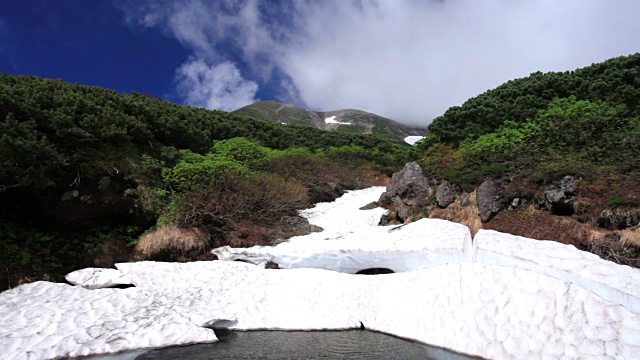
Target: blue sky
(87, 42)
(405, 59)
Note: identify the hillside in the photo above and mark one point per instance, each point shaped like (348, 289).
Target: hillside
(347, 120)
(85, 171)
(558, 152)
(614, 82)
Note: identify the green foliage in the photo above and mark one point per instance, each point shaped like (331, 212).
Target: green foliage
(242, 150)
(615, 200)
(615, 82)
(26, 157)
(509, 139)
(542, 127)
(35, 251)
(592, 130)
(196, 171)
(353, 129)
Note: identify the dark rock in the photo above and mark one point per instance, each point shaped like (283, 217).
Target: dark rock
(488, 197)
(445, 194)
(271, 265)
(390, 216)
(465, 199)
(371, 205)
(299, 224)
(375, 271)
(104, 183)
(69, 195)
(408, 189)
(559, 195)
(289, 226)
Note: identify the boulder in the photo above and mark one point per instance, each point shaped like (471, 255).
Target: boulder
(408, 189)
(69, 195)
(465, 199)
(489, 199)
(559, 195)
(445, 194)
(371, 205)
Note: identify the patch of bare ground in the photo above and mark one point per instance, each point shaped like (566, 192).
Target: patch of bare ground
(373, 177)
(622, 247)
(456, 212)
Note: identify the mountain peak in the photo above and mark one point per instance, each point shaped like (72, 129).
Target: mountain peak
(346, 120)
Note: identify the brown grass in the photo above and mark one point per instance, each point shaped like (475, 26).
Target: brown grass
(466, 215)
(631, 236)
(542, 225)
(373, 177)
(171, 241)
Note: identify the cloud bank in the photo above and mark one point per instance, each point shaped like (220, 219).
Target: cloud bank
(405, 59)
(214, 87)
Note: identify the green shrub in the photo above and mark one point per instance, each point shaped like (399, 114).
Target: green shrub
(195, 171)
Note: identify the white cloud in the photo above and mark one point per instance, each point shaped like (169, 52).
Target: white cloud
(408, 60)
(215, 87)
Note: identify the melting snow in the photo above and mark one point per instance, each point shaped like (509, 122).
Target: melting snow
(332, 120)
(411, 140)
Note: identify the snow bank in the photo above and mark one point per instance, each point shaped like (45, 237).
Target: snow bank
(425, 243)
(487, 310)
(411, 140)
(616, 283)
(332, 120)
(44, 320)
(96, 278)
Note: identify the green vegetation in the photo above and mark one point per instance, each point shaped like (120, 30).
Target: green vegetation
(353, 129)
(614, 82)
(81, 166)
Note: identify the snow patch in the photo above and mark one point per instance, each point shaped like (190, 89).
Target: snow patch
(97, 278)
(413, 139)
(332, 120)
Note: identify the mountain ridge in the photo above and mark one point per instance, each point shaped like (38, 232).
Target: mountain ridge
(343, 120)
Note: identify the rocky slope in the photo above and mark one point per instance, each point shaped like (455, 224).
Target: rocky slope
(555, 210)
(347, 120)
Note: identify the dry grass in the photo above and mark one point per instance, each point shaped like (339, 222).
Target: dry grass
(622, 247)
(466, 215)
(542, 225)
(631, 236)
(620, 217)
(171, 241)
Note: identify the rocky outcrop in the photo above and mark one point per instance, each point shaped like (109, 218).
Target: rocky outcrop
(371, 205)
(408, 191)
(489, 199)
(445, 194)
(559, 195)
(410, 195)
